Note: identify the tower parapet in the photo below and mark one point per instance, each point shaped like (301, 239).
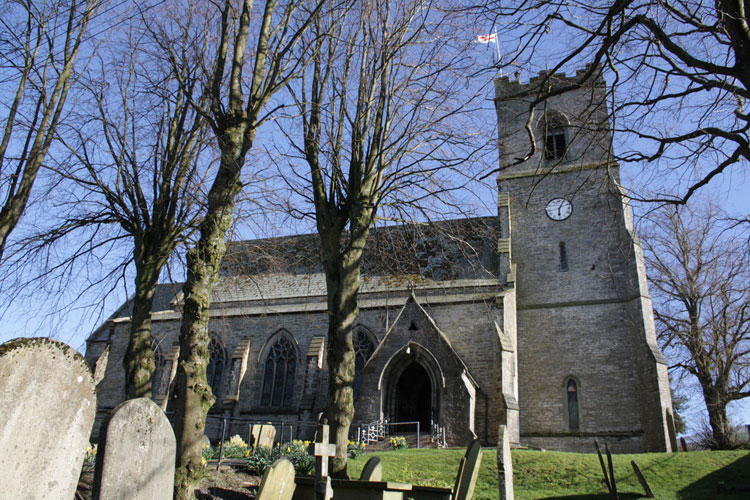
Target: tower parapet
(554, 122)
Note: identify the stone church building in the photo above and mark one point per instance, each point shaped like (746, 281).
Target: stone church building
(539, 317)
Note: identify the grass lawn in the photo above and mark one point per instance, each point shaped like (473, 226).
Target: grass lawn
(557, 475)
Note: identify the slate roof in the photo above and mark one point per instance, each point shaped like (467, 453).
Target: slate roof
(396, 257)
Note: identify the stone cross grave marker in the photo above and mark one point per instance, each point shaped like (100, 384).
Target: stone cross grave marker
(278, 481)
(322, 450)
(504, 464)
(137, 455)
(48, 404)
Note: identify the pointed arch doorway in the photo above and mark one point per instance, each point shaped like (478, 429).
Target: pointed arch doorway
(413, 401)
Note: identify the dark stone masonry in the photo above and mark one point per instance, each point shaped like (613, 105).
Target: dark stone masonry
(538, 319)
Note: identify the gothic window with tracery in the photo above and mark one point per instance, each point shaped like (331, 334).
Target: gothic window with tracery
(571, 388)
(216, 361)
(363, 349)
(278, 377)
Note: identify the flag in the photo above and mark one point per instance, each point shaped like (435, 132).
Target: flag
(492, 37)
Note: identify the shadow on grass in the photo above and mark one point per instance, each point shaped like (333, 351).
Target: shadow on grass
(732, 475)
(599, 496)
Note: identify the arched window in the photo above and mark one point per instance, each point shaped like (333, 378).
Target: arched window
(158, 367)
(216, 361)
(571, 389)
(278, 376)
(363, 349)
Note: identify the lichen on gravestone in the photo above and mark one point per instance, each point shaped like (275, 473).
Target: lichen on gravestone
(48, 385)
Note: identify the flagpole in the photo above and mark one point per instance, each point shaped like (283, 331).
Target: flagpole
(497, 46)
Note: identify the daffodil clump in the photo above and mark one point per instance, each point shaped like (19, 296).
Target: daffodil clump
(262, 457)
(355, 448)
(89, 460)
(399, 443)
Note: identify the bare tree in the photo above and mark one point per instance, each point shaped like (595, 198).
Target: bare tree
(142, 168)
(701, 286)
(380, 111)
(677, 75)
(235, 109)
(38, 49)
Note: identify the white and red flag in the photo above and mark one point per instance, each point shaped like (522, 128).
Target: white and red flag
(492, 37)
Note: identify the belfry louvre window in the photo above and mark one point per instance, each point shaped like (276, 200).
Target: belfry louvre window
(278, 378)
(572, 391)
(554, 143)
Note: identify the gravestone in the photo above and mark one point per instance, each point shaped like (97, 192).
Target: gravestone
(642, 479)
(278, 482)
(48, 404)
(263, 435)
(372, 471)
(504, 464)
(468, 471)
(137, 455)
(100, 368)
(683, 443)
(672, 431)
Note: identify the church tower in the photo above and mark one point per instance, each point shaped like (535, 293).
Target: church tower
(588, 362)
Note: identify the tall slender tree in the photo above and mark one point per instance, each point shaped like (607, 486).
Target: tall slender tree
(235, 109)
(142, 168)
(380, 108)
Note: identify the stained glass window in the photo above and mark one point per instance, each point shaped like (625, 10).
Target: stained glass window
(158, 367)
(363, 349)
(215, 368)
(278, 377)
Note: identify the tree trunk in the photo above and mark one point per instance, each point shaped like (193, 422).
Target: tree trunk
(139, 356)
(194, 396)
(343, 272)
(717, 418)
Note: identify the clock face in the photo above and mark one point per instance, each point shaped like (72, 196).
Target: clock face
(559, 209)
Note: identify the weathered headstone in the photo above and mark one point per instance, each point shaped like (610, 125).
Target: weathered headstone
(642, 479)
(604, 469)
(612, 481)
(504, 464)
(278, 482)
(468, 471)
(372, 471)
(48, 404)
(672, 431)
(100, 368)
(137, 455)
(263, 435)
(322, 450)
(683, 443)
